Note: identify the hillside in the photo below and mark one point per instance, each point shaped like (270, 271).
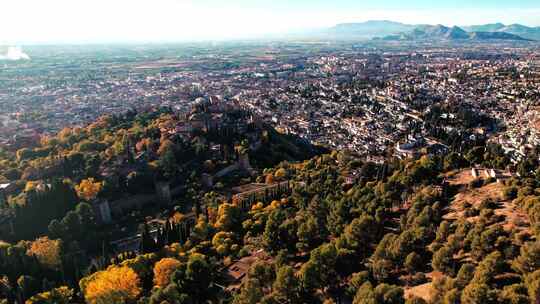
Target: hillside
(493, 27)
(126, 157)
(495, 35)
(437, 31)
(333, 227)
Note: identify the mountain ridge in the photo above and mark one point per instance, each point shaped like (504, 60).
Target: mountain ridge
(386, 29)
(441, 32)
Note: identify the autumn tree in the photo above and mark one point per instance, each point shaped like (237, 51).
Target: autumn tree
(114, 285)
(163, 271)
(60, 295)
(47, 252)
(229, 217)
(280, 174)
(89, 189)
(222, 242)
(202, 230)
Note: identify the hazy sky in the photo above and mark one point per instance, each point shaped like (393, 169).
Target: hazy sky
(27, 21)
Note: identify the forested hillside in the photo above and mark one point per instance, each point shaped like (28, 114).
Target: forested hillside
(255, 216)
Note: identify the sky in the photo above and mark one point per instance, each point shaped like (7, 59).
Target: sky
(80, 21)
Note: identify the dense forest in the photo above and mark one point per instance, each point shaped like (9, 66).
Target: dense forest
(327, 226)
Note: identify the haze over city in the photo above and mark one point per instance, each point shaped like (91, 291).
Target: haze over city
(65, 21)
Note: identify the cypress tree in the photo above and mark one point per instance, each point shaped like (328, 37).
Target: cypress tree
(147, 244)
(160, 239)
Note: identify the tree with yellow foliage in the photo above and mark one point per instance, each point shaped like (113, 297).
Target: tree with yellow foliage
(229, 217)
(114, 285)
(178, 217)
(281, 174)
(163, 271)
(31, 186)
(47, 252)
(222, 242)
(202, 230)
(274, 205)
(269, 179)
(88, 189)
(64, 134)
(257, 207)
(60, 295)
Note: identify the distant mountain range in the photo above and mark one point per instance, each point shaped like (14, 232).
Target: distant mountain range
(390, 30)
(370, 29)
(441, 32)
(516, 29)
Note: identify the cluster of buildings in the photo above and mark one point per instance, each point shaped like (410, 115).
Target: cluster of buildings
(367, 100)
(373, 102)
